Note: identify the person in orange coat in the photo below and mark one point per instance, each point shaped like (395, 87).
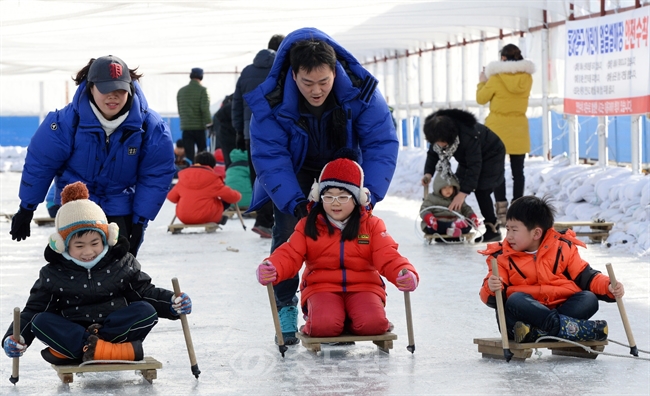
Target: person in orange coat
(345, 249)
(200, 194)
(548, 288)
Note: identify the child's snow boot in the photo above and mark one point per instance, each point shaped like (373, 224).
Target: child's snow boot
(289, 324)
(97, 349)
(492, 234)
(501, 210)
(527, 333)
(454, 232)
(58, 359)
(582, 330)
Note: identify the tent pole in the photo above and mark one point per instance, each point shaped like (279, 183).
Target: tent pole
(574, 155)
(603, 152)
(546, 133)
(635, 139)
(407, 94)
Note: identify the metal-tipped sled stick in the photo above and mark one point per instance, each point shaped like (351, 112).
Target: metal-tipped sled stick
(240, 216)
(186, 332)
(621, 309)
(16, 361)
(276, 319)
(507, 354)
(409, 319)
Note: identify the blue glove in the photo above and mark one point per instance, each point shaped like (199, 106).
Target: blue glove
(181, 305)
(14, 349)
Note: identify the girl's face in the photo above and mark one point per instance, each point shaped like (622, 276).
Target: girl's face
(111, 103)
(85, 247)
(333, 206)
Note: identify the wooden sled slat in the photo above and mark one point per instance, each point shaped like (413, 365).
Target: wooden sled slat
(177, 228)
(492, 348)
(147, 368)
(383, 341)
(43, 221)
(599, 230)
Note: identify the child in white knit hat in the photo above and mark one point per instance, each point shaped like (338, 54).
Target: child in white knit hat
(346, 250)
(92, 301)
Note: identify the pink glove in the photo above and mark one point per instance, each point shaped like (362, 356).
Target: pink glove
(407, 281)
(431, 221)
(474, 219)
(460, 224)
(266, 273)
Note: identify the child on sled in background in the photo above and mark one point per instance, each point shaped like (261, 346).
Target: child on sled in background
(548, 289)
(443, 221)
(345, 249)
(91, 302)
(200, 194)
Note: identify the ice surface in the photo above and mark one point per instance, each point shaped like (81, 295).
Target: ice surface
(232, 327)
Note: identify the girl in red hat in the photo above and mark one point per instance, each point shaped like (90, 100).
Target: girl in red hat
(346, 250)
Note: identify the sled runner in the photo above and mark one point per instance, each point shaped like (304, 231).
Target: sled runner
(492, 348)
(43, 221)
(178, 227)
(147, 367)
(383, 341)
(599, 229)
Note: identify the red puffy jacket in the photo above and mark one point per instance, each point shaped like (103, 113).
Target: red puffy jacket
(199, 194)
(335, 266)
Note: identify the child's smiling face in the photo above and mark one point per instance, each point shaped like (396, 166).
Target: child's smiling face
(335, 209)
(85, 247)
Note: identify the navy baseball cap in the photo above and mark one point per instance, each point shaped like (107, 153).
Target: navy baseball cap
(110, 73)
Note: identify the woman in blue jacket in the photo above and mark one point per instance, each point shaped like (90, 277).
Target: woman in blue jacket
(316, 100)
(110, 140)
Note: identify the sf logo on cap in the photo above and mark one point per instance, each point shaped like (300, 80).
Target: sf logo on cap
(115, 70)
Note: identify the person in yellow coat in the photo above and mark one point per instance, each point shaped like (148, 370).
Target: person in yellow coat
(506, 85)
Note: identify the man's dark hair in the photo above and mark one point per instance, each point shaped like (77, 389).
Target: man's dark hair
(312, 54)
(533, 212)
(180, 144)
(205, 158)
(440, 129)
(275, 42)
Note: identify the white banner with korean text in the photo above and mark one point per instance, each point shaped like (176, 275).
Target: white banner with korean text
(608, 65)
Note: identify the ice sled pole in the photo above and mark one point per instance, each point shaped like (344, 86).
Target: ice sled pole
(507, 354)
(186, 332)
(240, 216)
(409, 318)
(621, 309)
(276, 319)
(16, 361)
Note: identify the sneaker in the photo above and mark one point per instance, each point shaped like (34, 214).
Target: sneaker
(53, 357)
(262, 231)
(97, 349)
(288, 324)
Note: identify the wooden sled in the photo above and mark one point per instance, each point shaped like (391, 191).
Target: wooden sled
(492, 348)
(469, 237)
(44, 221)
(146, 367)
(384, 341)
(599, 229)
(177, 228)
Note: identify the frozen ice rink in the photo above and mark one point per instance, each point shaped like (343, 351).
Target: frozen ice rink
(232, 327)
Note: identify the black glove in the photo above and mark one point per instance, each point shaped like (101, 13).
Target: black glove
(20, 224)
(300, 210)
(137, 233)
(240, 142)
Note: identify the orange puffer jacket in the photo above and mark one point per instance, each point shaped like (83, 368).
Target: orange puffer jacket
(551, 276)
(199, 194)
(335, 266)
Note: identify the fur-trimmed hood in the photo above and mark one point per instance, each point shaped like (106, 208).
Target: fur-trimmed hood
(460, 116)
(509, 67)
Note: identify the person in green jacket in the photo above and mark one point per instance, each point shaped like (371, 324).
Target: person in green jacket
(238, 176)
(194, 111)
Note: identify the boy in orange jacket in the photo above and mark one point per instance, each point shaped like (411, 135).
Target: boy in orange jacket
(548, 288)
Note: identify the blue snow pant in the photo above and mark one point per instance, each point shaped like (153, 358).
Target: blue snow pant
(285, 291)
(68, 338)
(522, 307)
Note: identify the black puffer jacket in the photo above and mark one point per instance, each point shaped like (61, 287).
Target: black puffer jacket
(480, 153)
(250, 78)
(89, 296)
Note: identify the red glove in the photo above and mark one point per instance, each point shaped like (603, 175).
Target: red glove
(460, 224)
(474, 219)
(431, 221)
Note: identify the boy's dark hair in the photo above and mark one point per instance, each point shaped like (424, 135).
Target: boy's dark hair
(180, 144)
(511, 52)
(440, 128)
(205, 158)
(533, 212)
(311, 54)
(275, 42)
(81, 233)
(349, 233)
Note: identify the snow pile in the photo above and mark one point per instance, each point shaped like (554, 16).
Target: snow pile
(12, 158)
(580, 192)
